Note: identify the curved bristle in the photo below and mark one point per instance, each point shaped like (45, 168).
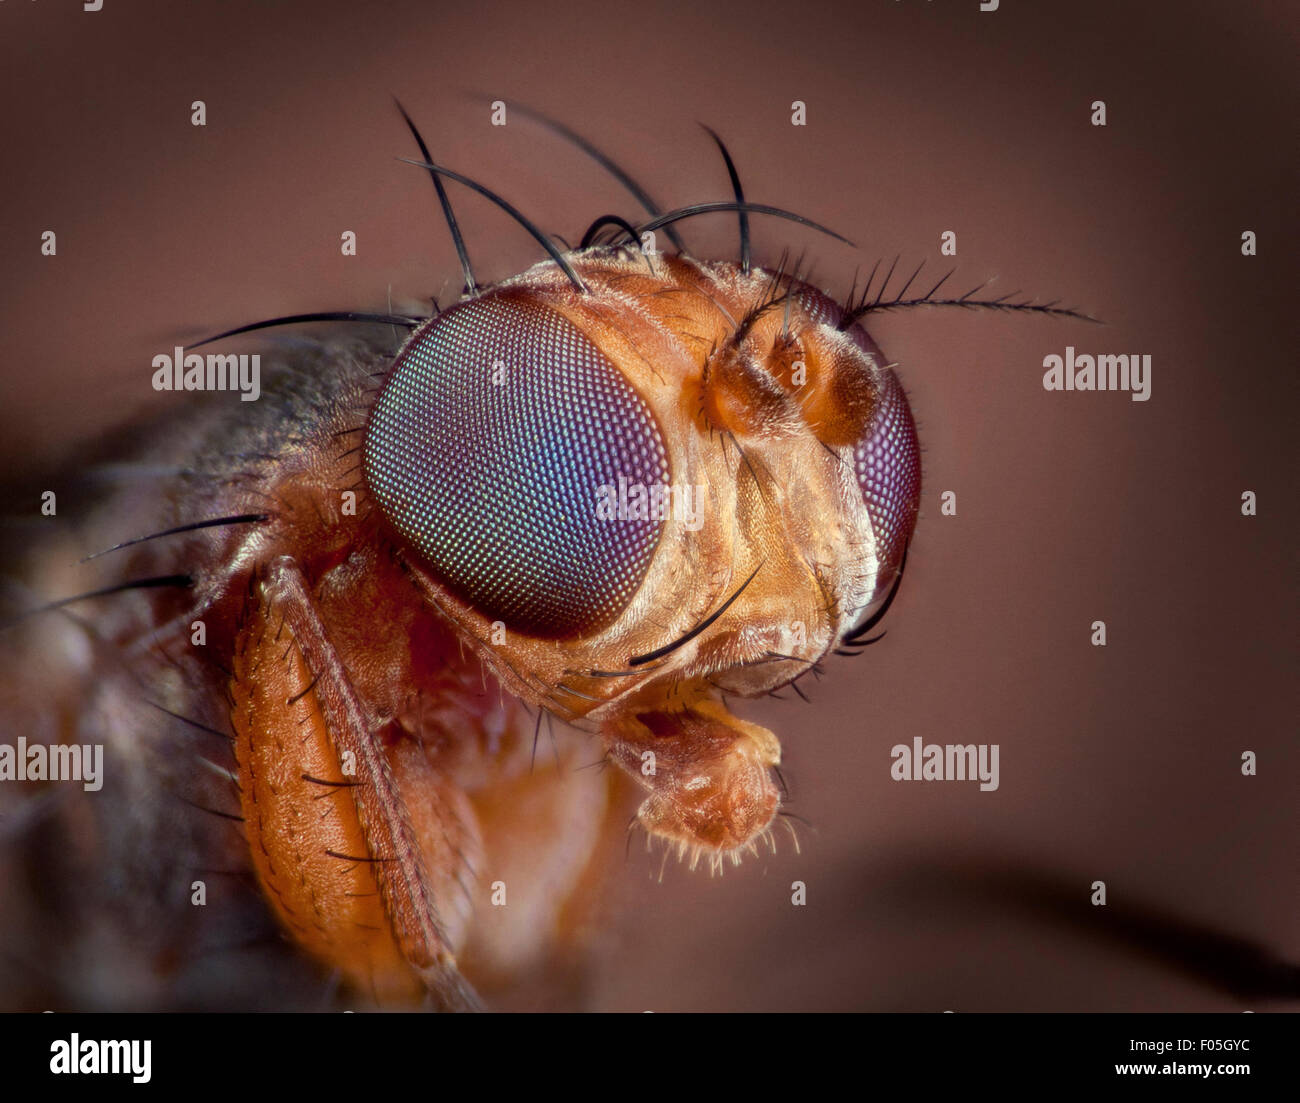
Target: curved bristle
(512, 211)
(752, 208)
(457, 239)
(742, 214)
(325, 316)
(605, 162)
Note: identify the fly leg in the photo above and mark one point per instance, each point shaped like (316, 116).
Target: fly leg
(326, 806)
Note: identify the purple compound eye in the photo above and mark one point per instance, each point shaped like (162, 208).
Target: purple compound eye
(888, 464)
(488, 449)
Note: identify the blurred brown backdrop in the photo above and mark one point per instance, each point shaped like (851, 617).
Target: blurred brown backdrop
(1119, 763)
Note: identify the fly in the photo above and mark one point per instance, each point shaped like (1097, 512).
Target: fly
(613, 490)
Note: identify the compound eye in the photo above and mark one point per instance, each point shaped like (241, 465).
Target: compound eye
(887, 461)
(488, 449)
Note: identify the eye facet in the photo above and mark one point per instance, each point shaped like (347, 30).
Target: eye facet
(487, 449)
(888, 464)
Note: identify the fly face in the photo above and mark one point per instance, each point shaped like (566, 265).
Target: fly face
(682, 480)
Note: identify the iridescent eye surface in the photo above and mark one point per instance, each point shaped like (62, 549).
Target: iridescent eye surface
(487, 450)
(888, 464)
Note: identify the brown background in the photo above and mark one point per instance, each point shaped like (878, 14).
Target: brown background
(1119, 764)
